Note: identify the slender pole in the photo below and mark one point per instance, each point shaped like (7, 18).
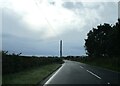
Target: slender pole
(60, 48)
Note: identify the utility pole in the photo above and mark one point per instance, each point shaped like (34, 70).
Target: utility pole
(60, 48)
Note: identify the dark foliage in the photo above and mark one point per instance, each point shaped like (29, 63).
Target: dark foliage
(16, 63)
(104, 41)
(75, 58)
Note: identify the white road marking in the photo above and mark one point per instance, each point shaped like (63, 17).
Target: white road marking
(94, 74)
(108, 83)
(81, 67)
(53, 75)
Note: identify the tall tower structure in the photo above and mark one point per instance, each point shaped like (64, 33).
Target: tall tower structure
(60, 48)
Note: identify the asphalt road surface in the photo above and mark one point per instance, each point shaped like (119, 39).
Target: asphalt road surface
(72, 72)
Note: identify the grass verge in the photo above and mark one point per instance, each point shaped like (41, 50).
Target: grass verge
(108, 63)
(32, 76)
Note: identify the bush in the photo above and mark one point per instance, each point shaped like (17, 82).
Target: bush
(15, 63)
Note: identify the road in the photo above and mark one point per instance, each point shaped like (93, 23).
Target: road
(72, 72)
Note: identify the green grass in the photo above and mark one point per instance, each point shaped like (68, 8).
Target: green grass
(32, 76)
(108, 63)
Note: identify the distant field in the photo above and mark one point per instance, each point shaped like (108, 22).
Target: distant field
(31, 76)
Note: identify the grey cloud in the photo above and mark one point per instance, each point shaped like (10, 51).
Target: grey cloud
(72, 5)
(52, 3)
(68, 5)
(94, 13)
(107, 11)
(81, 5)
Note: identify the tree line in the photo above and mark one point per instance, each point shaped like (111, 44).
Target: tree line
(103, 41)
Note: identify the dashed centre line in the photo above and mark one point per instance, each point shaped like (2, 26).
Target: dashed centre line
(81, 67)
(93, 74)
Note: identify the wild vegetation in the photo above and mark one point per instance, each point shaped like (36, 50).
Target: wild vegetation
(12, 63)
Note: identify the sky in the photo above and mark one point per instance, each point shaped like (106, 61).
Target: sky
(35, 27)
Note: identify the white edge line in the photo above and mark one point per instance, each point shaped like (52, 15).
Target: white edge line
(81, 67)
(94, 74)
(53, 75)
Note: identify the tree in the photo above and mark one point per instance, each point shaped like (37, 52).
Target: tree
(113, 47)
(103, 41)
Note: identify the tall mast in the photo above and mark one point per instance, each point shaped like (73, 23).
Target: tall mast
(60, 48)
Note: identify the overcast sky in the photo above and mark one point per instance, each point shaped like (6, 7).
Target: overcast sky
(34, 27)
